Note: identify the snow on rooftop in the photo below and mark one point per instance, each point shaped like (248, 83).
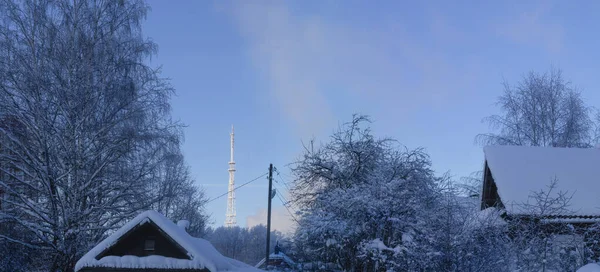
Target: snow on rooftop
(591, 267)
(201, 252)
(519, 170)
(277, 256)
(153, 261)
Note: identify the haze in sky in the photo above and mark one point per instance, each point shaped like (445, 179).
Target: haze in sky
(283, 72)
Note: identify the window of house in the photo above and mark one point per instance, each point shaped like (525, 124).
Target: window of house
(149, 244)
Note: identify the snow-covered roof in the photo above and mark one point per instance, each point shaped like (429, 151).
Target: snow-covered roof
(277, 256)
(591, 267)
(518, 171)
(201, 252)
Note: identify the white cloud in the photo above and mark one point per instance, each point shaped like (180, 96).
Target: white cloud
(280, 219)
(312, 63)
(285, 49)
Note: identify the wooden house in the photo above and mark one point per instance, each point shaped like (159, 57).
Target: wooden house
(151, 242)
(514, 174)
(518, 180)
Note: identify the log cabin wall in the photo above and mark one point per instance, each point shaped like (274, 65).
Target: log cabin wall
(135, 243)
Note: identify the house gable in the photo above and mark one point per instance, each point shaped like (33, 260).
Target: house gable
(489, 196)
(145, 240)
(120, 251)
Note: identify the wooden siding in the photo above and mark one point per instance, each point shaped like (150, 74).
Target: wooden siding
(489, 196)
(133, 242)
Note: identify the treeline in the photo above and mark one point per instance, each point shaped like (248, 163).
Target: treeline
(248, 245)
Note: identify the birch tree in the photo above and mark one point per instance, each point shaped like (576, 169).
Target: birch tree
(86, 126)
(541, 110)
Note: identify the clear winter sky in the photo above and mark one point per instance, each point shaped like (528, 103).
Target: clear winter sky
(284, 71)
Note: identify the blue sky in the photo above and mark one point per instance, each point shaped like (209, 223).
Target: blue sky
(282, 72)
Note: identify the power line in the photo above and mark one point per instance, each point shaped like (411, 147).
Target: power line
(286, 207)
(284, 201)
(236, 188)
(281, 179)
(287, 187)
(285, 174)
(280, 195)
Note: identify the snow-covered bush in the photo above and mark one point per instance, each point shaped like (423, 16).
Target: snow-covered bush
(367, 203)
(542, 245)
(373, 205)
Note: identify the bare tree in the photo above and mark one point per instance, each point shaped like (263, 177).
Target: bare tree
(471, 185)
(87, 137)
(539, 245)
(541, 110)
(176, 194)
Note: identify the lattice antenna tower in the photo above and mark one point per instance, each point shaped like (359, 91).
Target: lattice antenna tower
(230, 215)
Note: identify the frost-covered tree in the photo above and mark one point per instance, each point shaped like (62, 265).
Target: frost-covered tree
(465, 238)
(176, 194)
(86, 137)
(541, 110)
(470, 185)
(540, 246)
(371, 205)
(361, 195)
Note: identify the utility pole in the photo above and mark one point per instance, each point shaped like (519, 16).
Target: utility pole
(269, 196)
